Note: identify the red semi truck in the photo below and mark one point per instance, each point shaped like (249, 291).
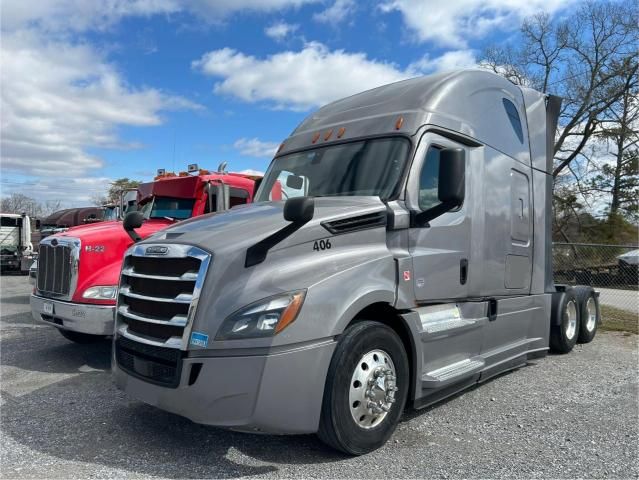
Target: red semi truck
(78, 269)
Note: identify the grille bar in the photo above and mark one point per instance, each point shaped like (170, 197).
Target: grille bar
(188, 276)
(181, 298)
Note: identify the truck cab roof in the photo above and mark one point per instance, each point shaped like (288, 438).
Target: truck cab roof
(476, 104)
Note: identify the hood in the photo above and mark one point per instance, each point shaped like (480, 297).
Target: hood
(243, 226)
(104, 231)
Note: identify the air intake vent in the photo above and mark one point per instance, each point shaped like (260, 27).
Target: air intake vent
(353, 224)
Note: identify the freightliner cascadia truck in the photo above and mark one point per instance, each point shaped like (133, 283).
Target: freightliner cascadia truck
(411, 260)
(78, 270)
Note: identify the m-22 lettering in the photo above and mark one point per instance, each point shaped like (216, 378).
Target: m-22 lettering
(322, 245)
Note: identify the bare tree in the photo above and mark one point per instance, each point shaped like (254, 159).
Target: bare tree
(619, 130)
(19, 203)
(580, 60)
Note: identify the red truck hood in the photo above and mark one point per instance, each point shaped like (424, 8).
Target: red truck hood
(102, 248)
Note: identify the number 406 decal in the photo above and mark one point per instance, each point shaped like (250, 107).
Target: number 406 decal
(322, 245)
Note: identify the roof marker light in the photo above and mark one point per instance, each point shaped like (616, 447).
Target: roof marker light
(279, 149)
(399, 123)
(328, 134)
(316, 137)
(341, 132)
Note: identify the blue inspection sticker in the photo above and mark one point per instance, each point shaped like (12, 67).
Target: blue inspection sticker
(199, 339)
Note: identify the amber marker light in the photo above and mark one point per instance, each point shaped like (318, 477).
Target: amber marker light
(316, 137)
(280, 148)
(340, 132)
(290, 314)
(328, 134)
(399, 123)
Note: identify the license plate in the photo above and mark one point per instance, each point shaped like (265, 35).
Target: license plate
(48, 308)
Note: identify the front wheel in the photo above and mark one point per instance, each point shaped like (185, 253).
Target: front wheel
(366, 389)
(78, 337)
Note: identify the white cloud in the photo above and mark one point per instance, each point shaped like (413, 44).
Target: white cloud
(448, 61)
(297, 80)
(453, 22)
(60, 99)
(82, 15)
(336, 13)
(254, 147)
(313, 76)
(250, 171)
(69, 191)
(280, 30)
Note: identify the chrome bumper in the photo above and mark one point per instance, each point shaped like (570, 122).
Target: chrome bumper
(78, 317)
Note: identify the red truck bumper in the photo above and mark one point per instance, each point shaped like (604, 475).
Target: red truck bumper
(77, 317)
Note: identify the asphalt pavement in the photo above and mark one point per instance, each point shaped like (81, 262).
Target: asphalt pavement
(564, 416)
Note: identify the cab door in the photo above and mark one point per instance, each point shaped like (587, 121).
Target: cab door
(440, 250)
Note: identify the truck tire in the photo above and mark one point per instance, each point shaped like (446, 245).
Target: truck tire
(78, 337)
(369, 366)
(590, 314)
(564, 331)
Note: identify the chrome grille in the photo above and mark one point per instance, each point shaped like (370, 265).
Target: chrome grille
(57, 267)
(159, 292)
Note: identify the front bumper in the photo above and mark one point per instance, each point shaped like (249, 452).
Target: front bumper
(78, 317)
(275, 393)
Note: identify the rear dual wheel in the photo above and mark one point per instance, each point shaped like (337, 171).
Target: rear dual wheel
(563, 334)
(590, 314)
(366, 389)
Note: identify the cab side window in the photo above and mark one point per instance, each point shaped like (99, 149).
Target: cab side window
(428, 179)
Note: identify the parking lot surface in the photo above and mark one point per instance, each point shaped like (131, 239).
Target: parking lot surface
(561, 417)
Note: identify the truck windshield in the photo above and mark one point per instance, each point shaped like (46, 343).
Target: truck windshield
(163, 207)
(369, 167)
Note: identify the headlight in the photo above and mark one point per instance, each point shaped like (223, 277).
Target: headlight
(101, 293)
(264, 318)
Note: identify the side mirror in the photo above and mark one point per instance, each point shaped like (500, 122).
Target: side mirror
(132, 221)
(299, 210)
(37, 224)
(450, 185)
(452, 177)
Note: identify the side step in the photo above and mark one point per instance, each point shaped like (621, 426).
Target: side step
(448, 324)
(453, 372)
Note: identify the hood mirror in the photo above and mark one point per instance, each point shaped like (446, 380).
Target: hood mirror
(299, 209)
(132, 221)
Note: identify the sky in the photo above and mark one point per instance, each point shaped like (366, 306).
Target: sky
(94, 90)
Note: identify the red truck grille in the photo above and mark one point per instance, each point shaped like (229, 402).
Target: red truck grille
(56, 268)
(158, 292)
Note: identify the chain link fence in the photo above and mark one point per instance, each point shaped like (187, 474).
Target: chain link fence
(614, 272)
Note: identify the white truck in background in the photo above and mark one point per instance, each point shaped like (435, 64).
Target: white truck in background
(16, 248)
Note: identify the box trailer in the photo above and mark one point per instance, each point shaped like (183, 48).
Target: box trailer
(411, 260)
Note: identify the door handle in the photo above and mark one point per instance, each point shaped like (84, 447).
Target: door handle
(463, 271)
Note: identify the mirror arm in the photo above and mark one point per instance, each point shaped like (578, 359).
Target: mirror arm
(421, 219)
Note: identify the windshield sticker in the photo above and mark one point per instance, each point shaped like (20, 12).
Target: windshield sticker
(199, 339)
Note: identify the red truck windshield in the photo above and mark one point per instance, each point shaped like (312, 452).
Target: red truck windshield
(162, 207)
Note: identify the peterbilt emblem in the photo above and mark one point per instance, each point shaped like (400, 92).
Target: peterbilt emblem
(54, 242)
(157, 250)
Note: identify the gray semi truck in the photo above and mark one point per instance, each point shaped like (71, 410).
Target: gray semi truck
(410, 260)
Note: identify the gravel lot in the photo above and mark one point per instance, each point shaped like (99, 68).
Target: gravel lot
(561, 417)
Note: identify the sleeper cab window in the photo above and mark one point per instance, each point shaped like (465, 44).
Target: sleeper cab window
(428, 179)
(513, 116)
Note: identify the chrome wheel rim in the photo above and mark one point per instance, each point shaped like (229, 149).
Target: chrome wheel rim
(372, 390)
(591, 310)
(571, 324)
